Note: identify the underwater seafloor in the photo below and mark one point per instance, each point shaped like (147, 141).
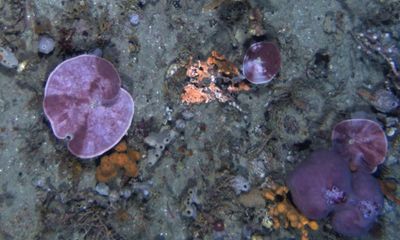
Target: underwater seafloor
(335, 60)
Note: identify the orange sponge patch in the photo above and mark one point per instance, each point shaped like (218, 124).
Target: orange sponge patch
(123, 158)
(121, 147)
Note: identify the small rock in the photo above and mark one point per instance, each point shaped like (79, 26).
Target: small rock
(180, 124)
(187, 115)
(7, 58)
(39, 182)
(134, 19)
(125, 193)
(143, 190)
(385, 101)
(391, 121)
(329, 24)
(113, 196)
(102, 189)
(97, 52)
(172, 69)
(257, 169)
(145, 194)
(390, 131)
(2, 105)
(391, 160)
(252, 199)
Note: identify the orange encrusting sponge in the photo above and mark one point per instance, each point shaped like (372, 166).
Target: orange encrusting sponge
(123, 158)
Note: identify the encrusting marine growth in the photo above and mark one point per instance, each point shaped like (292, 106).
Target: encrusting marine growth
(122, 158)
(283, 214)
(85, 104)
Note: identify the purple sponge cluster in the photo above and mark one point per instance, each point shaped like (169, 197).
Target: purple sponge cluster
(338, 183)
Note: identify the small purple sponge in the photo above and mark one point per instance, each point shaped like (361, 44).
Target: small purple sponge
(318, 184)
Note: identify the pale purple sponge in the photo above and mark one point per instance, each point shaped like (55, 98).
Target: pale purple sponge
(262, 62)
(320, 183)
(85, 103)
(362, 141)
(357, 216)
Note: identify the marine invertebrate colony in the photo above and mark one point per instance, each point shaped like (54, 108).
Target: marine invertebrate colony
(283, 213)
(110, 165)
(324, 185)
(261, 62)
(320, 183)
(123, 158)
(84, 102)
(362, 141)
(214, 69)
(362, 207)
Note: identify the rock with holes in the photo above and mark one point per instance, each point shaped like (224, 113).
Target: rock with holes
(158, 141)
(240, 184)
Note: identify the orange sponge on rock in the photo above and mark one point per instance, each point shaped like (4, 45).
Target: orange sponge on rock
(106, 170)
(123, 158)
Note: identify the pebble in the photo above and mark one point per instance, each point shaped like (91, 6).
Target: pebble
(39, 182)
(97, 52)
(7, 58)
(385, 101)
(329, 24)
(102, 189)
(125, 193)
(145, 194)
(391, 131)
(187, 115)
(143, 190)
(172, 69)
(257, 169)
(134, 19)
(180, 124)
(2, 105)
(391, 160)
(46, 44)
(113, 196)
(252, 199)
(391, 121)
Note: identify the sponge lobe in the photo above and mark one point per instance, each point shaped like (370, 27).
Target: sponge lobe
(320, 183)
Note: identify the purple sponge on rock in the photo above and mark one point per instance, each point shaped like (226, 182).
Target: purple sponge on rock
(320, 183)
(360, 211)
